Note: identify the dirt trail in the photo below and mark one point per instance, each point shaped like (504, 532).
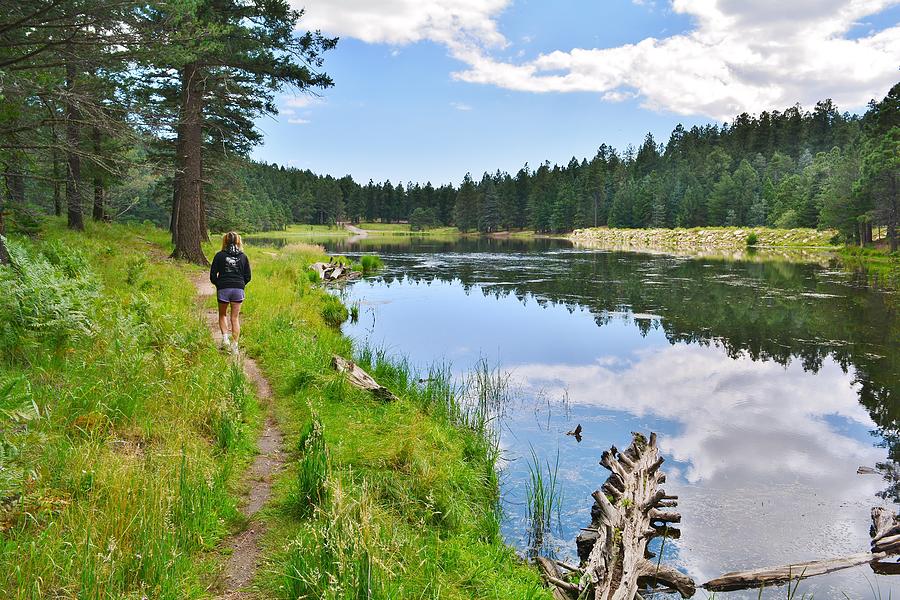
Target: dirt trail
(358, 233)
(243, 561)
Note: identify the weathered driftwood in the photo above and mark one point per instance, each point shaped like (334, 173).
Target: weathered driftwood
(885, 531)
(742, 580)
(885, 534)
(625, 516)
(332, 271)
(357, 377)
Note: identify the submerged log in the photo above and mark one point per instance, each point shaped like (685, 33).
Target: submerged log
(885, 532)
(742, 580)
(625, 516)
(357, 377)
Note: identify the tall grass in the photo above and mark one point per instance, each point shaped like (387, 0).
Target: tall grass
(334, 313)
(543, 496)
(334, 558)
(310, 487)
(370, 263)
(121, 425)
(413, 506)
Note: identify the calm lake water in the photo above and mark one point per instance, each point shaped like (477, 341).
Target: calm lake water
(769, 384)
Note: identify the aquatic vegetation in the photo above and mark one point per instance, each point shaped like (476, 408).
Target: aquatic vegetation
(334, 312)
(543, 495)
(370, 263)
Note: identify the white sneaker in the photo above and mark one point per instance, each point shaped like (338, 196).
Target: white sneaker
(234, 347)
(226, 340)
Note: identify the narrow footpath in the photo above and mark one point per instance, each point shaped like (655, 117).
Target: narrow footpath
(358, 233)
(243, 561)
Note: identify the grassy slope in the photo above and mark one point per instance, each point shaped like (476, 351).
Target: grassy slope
(881, 268)
(123, 482)
(411, 499)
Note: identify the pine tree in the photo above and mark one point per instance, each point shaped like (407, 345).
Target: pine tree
(563, 216)
(489, 210)
(253, 45)
(466, 211)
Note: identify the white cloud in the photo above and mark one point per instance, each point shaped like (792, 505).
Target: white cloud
(407, 21)
(737, 417)
(740, 56)
(298, 121)
(303, 101)
(461, 106)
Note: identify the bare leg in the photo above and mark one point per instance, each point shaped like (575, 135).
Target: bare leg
(235, 321)
(223, 322)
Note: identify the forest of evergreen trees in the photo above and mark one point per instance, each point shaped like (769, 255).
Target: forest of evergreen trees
(792, 168)
(137, 108)
(145, 111)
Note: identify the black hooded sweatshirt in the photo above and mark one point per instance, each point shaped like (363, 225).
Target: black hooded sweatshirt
(230, 269)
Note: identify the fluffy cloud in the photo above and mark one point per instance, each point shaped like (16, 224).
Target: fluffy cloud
(451, 22)
(740, 56)
(738, 418)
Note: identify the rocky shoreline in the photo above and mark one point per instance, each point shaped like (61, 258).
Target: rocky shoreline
(701, 238)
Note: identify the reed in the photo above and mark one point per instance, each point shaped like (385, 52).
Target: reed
(543, 496)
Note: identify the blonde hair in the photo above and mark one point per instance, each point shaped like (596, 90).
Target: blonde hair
(232, 238)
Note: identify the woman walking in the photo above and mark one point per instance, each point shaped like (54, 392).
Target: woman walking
(230, 273)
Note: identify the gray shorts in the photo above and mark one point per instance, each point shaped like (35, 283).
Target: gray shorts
(230, 295)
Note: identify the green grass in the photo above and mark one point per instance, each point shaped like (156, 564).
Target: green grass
(412, 492)
(880, 268)
(300, 231)
(543, 496)
(404, 229)
(370, 263)
(123, 428)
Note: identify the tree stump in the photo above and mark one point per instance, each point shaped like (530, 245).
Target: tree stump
(628, 513)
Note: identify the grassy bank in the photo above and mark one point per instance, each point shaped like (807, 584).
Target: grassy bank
(880, 268)
(381, 500)
(300, 231)
(122, 428)
(124, 432)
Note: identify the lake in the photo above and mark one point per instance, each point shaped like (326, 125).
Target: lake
(769, 383)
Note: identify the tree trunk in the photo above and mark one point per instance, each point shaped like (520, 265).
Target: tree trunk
(892, 214)
(73, 160)
(188, 235)
(204, 228)
(57, 193)
(99, 213)
(4, 255)
(177, 178)
(627, 513)
(15, 183)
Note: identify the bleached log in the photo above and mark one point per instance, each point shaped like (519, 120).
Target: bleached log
(742, 580)
(357, 377)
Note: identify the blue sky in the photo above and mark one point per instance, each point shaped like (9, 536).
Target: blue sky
(427, 90)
